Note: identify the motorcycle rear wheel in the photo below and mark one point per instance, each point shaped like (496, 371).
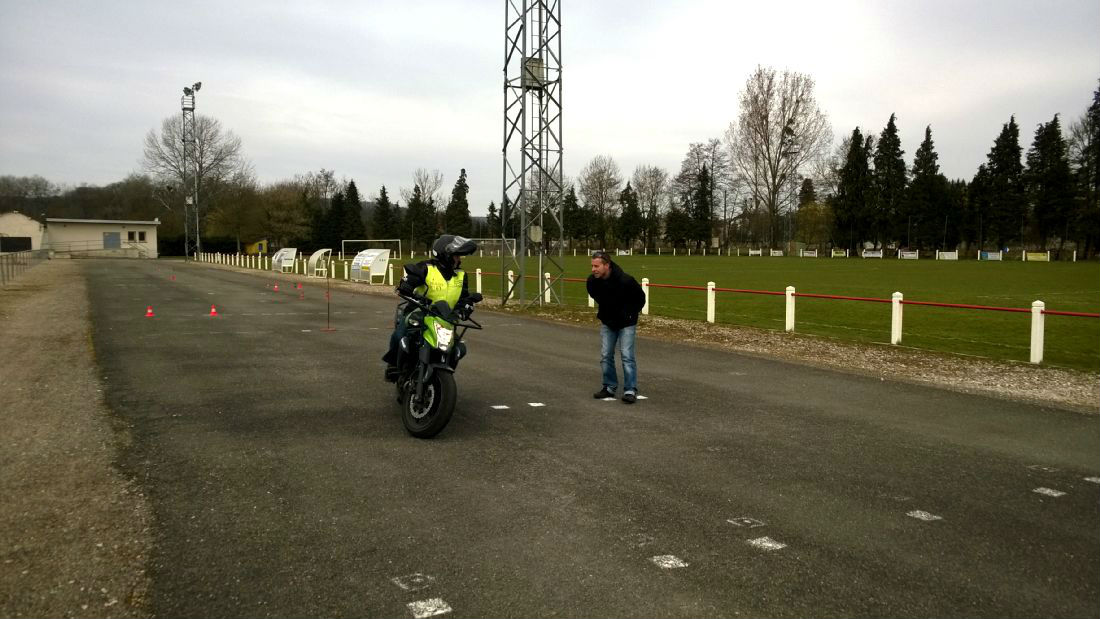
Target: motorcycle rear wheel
(428, 417)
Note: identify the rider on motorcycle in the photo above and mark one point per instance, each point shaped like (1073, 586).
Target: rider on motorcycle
(438, 278)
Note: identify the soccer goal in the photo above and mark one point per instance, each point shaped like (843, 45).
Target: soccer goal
(349, 248)
(494, 246)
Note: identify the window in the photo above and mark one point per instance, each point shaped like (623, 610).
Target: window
(130, 235)
(141, 236)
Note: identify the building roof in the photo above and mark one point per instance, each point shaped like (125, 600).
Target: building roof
(54, 220)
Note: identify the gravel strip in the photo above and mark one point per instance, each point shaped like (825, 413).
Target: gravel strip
(75, 534)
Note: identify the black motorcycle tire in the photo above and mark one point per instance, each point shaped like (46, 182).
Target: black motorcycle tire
(442, 393)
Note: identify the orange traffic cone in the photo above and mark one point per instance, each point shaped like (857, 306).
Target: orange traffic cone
(276, 287)
(213, 311)
(149, 312)
(299, 285)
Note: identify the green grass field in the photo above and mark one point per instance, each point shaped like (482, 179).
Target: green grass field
(1070, 341)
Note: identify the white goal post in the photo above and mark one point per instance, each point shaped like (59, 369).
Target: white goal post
(351, 247)
(492, 246)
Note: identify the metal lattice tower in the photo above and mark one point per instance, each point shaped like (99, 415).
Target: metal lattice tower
(532, 196)
(187, 102)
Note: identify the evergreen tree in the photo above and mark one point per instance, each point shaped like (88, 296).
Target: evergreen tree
(420, 222)
(385, 222)
(979, 207)
(1049, 183)
(352, 226)
(853, 191)
(492, 222)
(333, 221)
(678, 227)
(1006, 186)
(701, 209)
(806, 193)
(889, 183)
(1086, 162)
(456, 219)
(926, 206)
(572, 216)
(630, 222)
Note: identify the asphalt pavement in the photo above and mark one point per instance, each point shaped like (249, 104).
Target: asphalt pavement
(284, 484)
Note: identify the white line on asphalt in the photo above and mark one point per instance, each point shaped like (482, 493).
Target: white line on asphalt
(307, 330)
(1095, 480)
(413, 582)
(499, 407)
(1049, 492)
(535, 404)
(608, 399)
(429, 608)
(923, 515)
(668, 562)
(766, 543)
(745, 521)
(642, 397)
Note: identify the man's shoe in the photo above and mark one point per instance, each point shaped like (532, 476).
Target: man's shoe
(603, 393)
(629, 397)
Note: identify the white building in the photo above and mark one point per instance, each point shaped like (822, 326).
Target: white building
(20, 233)
(102, 237)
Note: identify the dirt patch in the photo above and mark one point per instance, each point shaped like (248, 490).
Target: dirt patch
(75, 533)
(1060, 387)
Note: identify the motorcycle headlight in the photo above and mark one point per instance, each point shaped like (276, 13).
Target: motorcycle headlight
(443, 336)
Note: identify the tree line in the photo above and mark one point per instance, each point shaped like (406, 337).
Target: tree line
(774, 178)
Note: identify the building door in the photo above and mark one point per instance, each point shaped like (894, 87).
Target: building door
(112, 240)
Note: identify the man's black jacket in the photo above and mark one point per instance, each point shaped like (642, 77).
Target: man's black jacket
(620, 298)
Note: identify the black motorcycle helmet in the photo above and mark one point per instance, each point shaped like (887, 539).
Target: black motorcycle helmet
(448, 246)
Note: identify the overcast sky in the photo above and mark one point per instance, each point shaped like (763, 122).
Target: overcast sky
(374, 89)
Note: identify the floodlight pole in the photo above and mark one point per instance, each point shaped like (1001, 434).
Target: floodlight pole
(532, 179)
(187, 102)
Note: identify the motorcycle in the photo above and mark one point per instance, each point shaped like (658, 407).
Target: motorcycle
(426, 360)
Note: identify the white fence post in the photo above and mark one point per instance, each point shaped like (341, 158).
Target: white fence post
(477, 279)
(645, 289)
(511, 284)
(710, 301)
(1037, 319)
(546, 290)
(790, 308)
(895, 318)
(391, 274)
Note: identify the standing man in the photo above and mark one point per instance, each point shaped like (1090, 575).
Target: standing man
(620, 298)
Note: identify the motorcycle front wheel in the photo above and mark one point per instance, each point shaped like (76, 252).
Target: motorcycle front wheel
(428, 416)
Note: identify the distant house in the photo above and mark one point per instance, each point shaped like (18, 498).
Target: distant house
(20, 233)
(102, 237)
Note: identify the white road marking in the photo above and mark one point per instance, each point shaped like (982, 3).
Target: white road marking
(499, 407)
(767, 543)
(413, 582)
(1045, 469)
(923, 515)
(667, 562)
(608, 399)
(1049, 492)
(642, 397)
(536, 404)
(745, 521)
(307, 330)
(429, 608)
(1095, 480)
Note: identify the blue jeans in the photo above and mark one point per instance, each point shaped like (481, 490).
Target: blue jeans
(623, 339)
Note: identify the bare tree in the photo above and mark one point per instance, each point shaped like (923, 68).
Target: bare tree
(651, 186)
(429, 182)
(780, 130)
(216, 155)
(599, 189)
